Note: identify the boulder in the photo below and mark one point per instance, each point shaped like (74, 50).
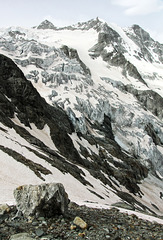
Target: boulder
(41, 200)
(80, 223)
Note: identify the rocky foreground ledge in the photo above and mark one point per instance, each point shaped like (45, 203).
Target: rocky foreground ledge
(71, 222)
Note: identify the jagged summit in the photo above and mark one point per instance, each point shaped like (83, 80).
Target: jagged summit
(46, 25)
(94, 23)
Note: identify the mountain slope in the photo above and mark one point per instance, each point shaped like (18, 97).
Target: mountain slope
(110, 143)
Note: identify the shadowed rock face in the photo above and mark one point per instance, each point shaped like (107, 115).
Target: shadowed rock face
(20, 99)
(24, 100)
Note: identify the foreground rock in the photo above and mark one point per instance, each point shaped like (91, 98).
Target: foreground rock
(102, 224)
(41, 200)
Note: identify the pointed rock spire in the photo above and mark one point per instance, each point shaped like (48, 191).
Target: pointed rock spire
(46, 25)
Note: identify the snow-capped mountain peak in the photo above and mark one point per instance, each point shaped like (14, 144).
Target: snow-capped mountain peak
(100, 128)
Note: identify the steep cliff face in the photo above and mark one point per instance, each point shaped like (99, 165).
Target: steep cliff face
(87, 109)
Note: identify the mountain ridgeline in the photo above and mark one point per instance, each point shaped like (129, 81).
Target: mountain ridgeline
(84, 102)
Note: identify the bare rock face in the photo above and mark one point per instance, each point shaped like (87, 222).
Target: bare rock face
(41, 200)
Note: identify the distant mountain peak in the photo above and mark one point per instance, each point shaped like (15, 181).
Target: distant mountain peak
(46, 25)
(94, 23)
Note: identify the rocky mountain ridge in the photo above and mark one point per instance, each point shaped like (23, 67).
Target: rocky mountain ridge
(104, 122)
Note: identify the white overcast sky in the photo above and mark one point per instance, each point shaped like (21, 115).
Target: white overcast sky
(28, 13)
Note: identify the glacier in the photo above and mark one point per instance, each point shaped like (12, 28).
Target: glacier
(109, 82)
